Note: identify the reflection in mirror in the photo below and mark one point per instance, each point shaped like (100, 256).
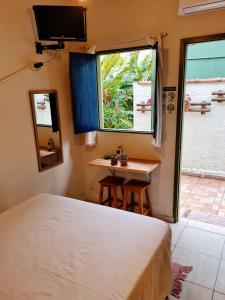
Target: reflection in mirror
(47, 128)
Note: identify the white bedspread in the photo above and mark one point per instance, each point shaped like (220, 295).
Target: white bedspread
(57, 248)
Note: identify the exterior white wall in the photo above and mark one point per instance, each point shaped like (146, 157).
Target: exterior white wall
(43, 116)
(203, 150)
(141, 93)
(203, 91)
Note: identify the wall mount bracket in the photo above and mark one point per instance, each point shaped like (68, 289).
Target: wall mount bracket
(40, 47)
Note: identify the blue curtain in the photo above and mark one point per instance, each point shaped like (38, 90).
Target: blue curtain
(54, 112)
(83, 73)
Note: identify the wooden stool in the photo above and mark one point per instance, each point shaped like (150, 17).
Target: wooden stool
(137, 186)
(111, 182)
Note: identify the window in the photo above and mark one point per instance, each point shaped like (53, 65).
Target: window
(120, 96)
(126, 87)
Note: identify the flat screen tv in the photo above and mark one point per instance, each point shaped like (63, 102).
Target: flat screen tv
(65, 23)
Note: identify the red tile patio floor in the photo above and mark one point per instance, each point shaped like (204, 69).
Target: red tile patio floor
(201, 194)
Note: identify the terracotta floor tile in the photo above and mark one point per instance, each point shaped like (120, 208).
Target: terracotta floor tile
(206, 201)
(202, 194)
(219, 195)
(212, 189)
(185, 193)
(221, 214)
(196, 208)
(218, 201)
(215, 207)
(212, 194)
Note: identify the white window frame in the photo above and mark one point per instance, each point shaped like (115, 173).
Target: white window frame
(153, 90)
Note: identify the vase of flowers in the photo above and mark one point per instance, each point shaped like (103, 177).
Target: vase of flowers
(123, 159)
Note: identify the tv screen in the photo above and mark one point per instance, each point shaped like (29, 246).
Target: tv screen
(60, 22)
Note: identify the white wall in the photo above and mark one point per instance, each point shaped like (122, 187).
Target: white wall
(141, 93)
(203, 91)
(203, 143)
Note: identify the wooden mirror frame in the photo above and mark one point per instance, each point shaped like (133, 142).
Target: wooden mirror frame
(32, 93)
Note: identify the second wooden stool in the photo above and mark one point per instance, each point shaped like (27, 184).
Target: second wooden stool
(137, 186)
(112, 183)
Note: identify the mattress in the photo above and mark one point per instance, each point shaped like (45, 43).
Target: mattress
(54, 247)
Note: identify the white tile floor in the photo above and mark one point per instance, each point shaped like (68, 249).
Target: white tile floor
(203, 247)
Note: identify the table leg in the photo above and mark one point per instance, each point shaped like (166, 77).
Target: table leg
(148, 202)
(132, 204)
(140, 201)
(125, 200)
(114, 197)
(101, 194)
(109, 196)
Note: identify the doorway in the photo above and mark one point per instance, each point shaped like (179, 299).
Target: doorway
(200, 142)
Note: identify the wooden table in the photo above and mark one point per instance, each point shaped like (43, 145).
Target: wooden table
(137, 166)
(140, 166)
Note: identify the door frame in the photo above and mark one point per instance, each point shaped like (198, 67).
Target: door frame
(180, 111)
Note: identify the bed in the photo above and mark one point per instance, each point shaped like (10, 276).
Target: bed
(53, 247)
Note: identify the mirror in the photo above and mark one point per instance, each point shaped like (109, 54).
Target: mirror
(47, 130)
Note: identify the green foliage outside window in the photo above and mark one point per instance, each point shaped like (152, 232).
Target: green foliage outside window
(119, 72)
